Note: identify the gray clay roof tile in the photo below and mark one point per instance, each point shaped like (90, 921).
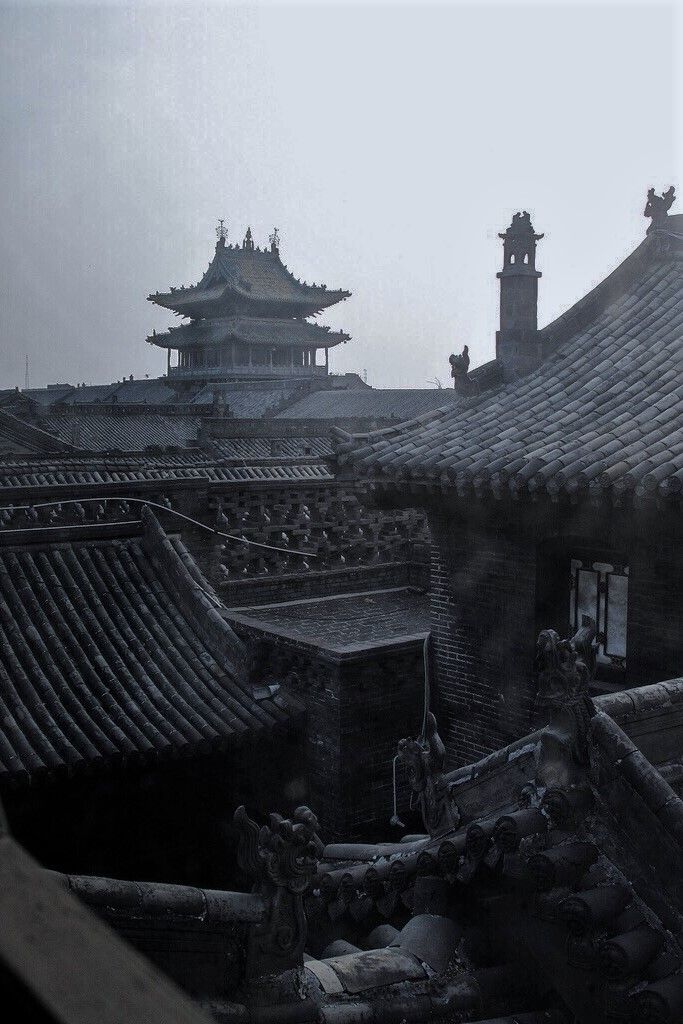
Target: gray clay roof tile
(103, 657)
(605, 403)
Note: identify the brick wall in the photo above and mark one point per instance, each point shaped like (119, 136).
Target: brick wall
(495, 585)
(381, 701)
(296, 586)
(358, 707)
(330, 521)
(483, 630)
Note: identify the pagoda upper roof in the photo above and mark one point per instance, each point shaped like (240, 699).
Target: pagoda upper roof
(601, 414)
(242, 279)
(272, 331)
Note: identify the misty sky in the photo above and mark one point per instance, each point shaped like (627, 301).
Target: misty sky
(388, 143)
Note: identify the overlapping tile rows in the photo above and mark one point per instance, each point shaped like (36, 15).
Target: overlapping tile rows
(248, 276)
(19, 436)
(104, 431)
(116, 650)
(250, 400)
(271, 447)
(207, 474)
(601, 414)
(387, 403)
(251, 330)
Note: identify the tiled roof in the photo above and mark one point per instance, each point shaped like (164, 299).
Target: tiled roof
(90, 394)
(242, 448)
(266, 474)
(114, 650)
(347, 622)
(104, 431)
(19, 437)
(127, 392)
(48, 396)
(68, 477)
(247, 279)
(249, 400)
(386, 404)
(251, 330)
(603, 412)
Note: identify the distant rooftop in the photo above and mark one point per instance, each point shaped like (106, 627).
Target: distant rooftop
(246, 279)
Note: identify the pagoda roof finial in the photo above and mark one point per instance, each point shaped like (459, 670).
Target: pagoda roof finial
(221, 233)
(248, 242)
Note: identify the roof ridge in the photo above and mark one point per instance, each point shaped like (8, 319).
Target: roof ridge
(603, 294)
(195, 591)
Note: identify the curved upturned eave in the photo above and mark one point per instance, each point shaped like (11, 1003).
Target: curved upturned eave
(275, 332)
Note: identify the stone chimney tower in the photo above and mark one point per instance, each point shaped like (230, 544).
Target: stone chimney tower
(517, 347)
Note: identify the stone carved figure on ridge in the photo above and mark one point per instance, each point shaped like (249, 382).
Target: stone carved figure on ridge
(564, 672)
(281, 858)
(657, 207)
(459, 365)
(424, 760)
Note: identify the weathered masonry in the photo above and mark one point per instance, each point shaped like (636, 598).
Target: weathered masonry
(556, 497)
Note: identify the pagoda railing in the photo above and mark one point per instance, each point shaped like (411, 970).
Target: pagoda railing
(230, 372)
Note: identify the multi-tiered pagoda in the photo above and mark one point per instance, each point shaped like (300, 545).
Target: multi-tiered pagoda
(248, 317)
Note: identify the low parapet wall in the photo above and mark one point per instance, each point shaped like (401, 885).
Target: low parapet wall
(196, 936)
(651, 716)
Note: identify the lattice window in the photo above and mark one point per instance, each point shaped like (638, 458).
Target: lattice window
(600, 590)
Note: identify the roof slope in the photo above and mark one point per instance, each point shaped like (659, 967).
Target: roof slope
(250, 330)
(105, 431)
(49, 395)
(603, 411)
(113, 650)
(249, 399)
(127, 392)
(18, 437)
(248, 279)
(385, 403)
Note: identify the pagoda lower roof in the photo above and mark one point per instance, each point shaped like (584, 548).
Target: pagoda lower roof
(275, 332)
(248, 280)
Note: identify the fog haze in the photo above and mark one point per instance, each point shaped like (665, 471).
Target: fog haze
(389, 145)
